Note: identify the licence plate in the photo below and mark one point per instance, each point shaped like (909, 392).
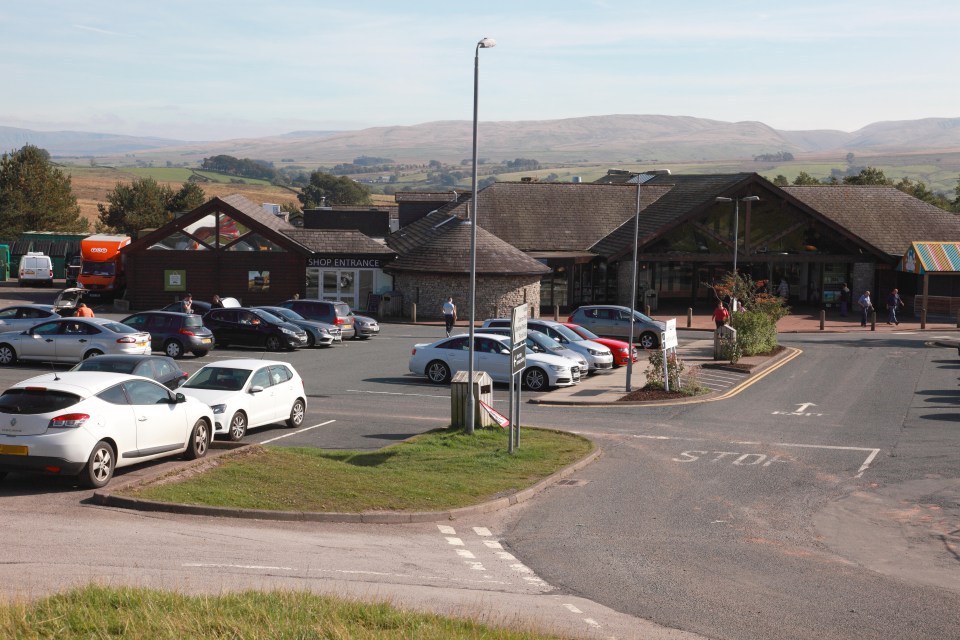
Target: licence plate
(205, 340)
(348, 326)
(14, 450)
(142, 343)
(28, 272)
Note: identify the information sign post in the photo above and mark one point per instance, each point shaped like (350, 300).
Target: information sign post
(518, 362)
(668, 340)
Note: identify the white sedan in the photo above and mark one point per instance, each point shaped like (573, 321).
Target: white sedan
(246, 393)
(439, 360)
(89, 423)
(72, 340)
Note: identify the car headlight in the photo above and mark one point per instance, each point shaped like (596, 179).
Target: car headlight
(289, 332)
(218, 408)
(323, 332)
(594, 352)
(622, 350)
(558, 368)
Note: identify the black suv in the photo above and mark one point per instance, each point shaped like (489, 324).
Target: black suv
(253, 328)
(173, 332)
(329, 311)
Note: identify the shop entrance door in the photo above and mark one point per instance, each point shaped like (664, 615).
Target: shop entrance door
(339, 285)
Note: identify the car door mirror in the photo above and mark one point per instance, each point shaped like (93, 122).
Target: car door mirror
(180, 397)
(256, 389)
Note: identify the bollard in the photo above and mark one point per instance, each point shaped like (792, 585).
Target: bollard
(923, 318)
(646, 310)
(823, 317)
(413, 313)
(690, 318)
(873, 320)
(958, 322)
(556, 313)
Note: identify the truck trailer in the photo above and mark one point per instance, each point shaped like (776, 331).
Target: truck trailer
(102, 271)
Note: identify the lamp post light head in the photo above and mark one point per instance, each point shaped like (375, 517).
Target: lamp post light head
(750, 199)
(723, 199)
(487, 43)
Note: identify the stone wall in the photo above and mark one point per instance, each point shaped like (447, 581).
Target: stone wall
(496, 295)
(862, 277)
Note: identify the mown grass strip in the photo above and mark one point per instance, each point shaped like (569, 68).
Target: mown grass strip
(435, 471)
(96, 612)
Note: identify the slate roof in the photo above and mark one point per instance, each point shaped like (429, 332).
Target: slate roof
(439, 243)
(882, 216)
(558, 216)
(256, 212)
(337, 241)
(686, 196)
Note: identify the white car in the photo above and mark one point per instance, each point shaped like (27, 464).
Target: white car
(87, 423)
(246, 393)
(598, 357)
(439, 360)
(72, 340)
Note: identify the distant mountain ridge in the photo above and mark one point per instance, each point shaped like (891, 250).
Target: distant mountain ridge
(592, 138)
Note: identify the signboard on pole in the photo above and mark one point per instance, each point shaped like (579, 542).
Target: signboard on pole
(669, 336)
(518, 338)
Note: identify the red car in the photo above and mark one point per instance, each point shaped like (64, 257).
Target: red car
(618, 348)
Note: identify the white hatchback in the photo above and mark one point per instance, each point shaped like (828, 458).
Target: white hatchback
(87, 423)
(246, 393)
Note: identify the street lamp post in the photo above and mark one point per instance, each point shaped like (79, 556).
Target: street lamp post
(633, 288)
(736, 234)
(485, 43)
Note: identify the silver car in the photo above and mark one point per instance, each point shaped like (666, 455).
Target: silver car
(24, 316)
(598, 357)
(614, 321)
(72, 340)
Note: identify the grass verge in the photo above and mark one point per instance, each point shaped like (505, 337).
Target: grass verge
(100, 612)
(434, 471)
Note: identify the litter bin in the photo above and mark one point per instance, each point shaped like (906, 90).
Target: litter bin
(483, 390)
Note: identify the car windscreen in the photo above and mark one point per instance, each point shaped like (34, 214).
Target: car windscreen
(586, 333)
(219, 378)
(193, 321)
(567, 333)
(116, 327)
(343, 309)
(643, 318)
(97, 268)
(36, 400)
(269, 317)
(287, 314)
(106, 364)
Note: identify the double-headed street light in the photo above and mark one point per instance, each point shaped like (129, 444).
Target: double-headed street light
(736, 229)
(485, 43)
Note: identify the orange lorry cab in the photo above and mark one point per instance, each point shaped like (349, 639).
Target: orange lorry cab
(102, 266)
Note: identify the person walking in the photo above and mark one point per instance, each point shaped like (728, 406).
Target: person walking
(844, 300)
(866, 306)
(83, 311)
(783, 289)
(893, 301)
(449, 314)
(720, 315)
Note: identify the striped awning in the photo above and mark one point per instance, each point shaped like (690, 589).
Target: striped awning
(931, 257)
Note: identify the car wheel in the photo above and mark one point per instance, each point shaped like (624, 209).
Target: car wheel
(438, 372)
(273, 343)
(200, 354)
(238, 426)
(648, 340)
(8, 355)
(296, 414)
(173, 349)
(93, 353)
(311, 341)
(535, 379)
(199, 440)
(99, 467)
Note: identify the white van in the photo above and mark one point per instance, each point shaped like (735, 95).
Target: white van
(36, 269)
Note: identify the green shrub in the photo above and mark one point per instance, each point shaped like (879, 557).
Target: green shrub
(654, 371)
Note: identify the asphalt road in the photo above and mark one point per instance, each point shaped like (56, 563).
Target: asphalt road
(822, 501)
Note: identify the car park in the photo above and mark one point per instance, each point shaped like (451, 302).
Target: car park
(365, 327)
(539, 342)
(83, 424)
(23, 316)
(72, 340)
(318, 333)
(438, 361)
(598, 356)
(329, 311)
(247, 393)
(622, 351)
(253, 328)
(614, 321)
(173, 332)
(163, 369)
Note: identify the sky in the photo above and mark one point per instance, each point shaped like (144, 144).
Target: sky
(214, 70)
